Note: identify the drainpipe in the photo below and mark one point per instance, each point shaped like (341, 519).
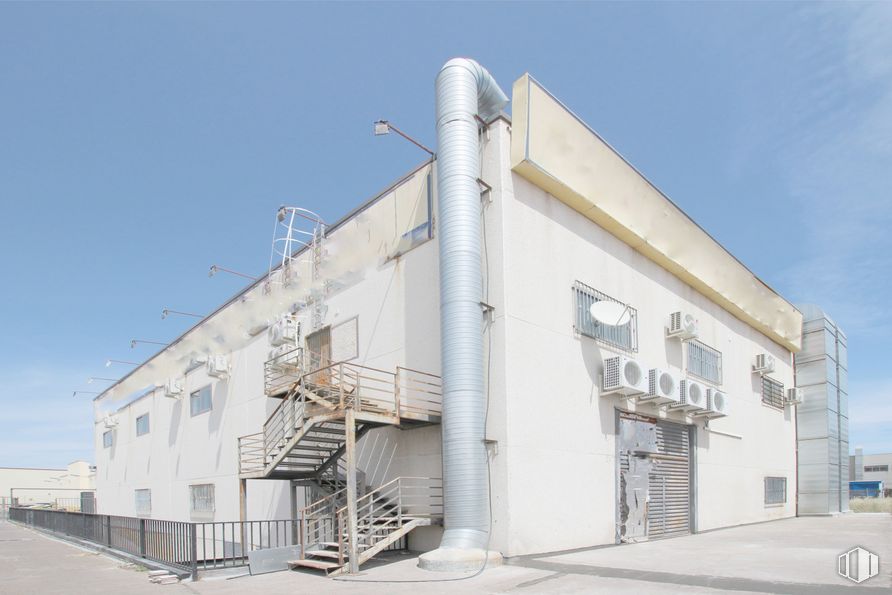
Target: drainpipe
(465, 91)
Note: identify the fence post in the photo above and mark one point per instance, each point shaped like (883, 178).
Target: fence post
(142, 538)
(193, 536)
(108, 535)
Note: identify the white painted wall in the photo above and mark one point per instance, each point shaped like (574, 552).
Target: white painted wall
(395, 302)
(556, 467)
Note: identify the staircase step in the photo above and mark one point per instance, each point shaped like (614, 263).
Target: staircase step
(325, 554)
(316, 564)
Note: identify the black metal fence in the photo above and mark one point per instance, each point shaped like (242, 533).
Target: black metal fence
(184, 546)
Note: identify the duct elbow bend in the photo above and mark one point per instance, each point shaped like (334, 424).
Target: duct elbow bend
(490, 97)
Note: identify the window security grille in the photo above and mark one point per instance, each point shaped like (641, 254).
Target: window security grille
(200, 401)
(772, 392)
(704, 362)
(142, 424)
(624, 337)
(143, 501)
(202, 497)
(775, 490)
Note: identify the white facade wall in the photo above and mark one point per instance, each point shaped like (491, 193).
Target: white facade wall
(395, 304)
(557, 442)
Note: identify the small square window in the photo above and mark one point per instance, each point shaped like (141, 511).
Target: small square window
(200, 401)
(201, 498)
(775, 490)
(107, 439)
(143, 502)
(142, 424)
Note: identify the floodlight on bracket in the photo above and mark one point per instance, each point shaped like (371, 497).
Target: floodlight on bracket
(383, 127)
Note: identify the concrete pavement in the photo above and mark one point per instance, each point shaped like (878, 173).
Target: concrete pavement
(790, 556)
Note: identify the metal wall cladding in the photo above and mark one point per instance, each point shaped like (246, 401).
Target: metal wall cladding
(822, 419)
(816, 371)
(812, 424)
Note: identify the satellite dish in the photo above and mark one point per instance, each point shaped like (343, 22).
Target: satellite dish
(610, 313)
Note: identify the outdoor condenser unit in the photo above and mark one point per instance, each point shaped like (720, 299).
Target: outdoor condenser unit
(693, 396)
(717, 404)
(284, 331)
(682, 325)
(794, 396)
(218, 366)
(663, 387)
(110, 421)
(623, 376)
(173, 389)
(764, 364)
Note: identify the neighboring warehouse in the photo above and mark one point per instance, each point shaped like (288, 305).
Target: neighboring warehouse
(71, 488)
(870, 475)
(616, 376)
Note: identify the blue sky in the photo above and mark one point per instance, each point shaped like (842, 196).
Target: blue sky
(142, 143)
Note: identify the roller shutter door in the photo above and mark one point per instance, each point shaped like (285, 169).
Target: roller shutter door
(669, 505)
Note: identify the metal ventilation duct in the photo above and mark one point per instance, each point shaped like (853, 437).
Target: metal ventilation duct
(464, 90)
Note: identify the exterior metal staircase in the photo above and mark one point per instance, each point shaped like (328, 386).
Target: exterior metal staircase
(309, 437)
(306, 434)
(384, 516)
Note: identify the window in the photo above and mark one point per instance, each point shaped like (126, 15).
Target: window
(142, 424)
(202, 498)
(876, 468)
(775, 490)
(704, 362)
(200, 401)
(772, 392)
(623, 336)
(143, 502)
(107, 439)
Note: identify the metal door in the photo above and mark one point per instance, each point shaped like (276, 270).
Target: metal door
(654, 478)
(319, 355)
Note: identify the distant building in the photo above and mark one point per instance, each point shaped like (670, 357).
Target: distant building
(626, 377)
(875, 467)
(61, 488)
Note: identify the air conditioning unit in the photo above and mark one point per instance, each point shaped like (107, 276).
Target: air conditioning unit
(218, 366)
(281, 357)
(663, 387)
(173, 389)
(794, 396)
(623, 376)
(693, 396)
(717, 404)
(764, 364)
(110, 421)
(682, 326)
(284, 331)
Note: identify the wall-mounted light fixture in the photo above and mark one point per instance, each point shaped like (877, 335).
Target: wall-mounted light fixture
(133, 342)
(383, 127)
(217, 268)
(167, 312)
(109, 362)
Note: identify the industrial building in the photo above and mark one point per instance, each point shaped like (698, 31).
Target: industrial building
(68, 488)
(522, 346)
(871, 468)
